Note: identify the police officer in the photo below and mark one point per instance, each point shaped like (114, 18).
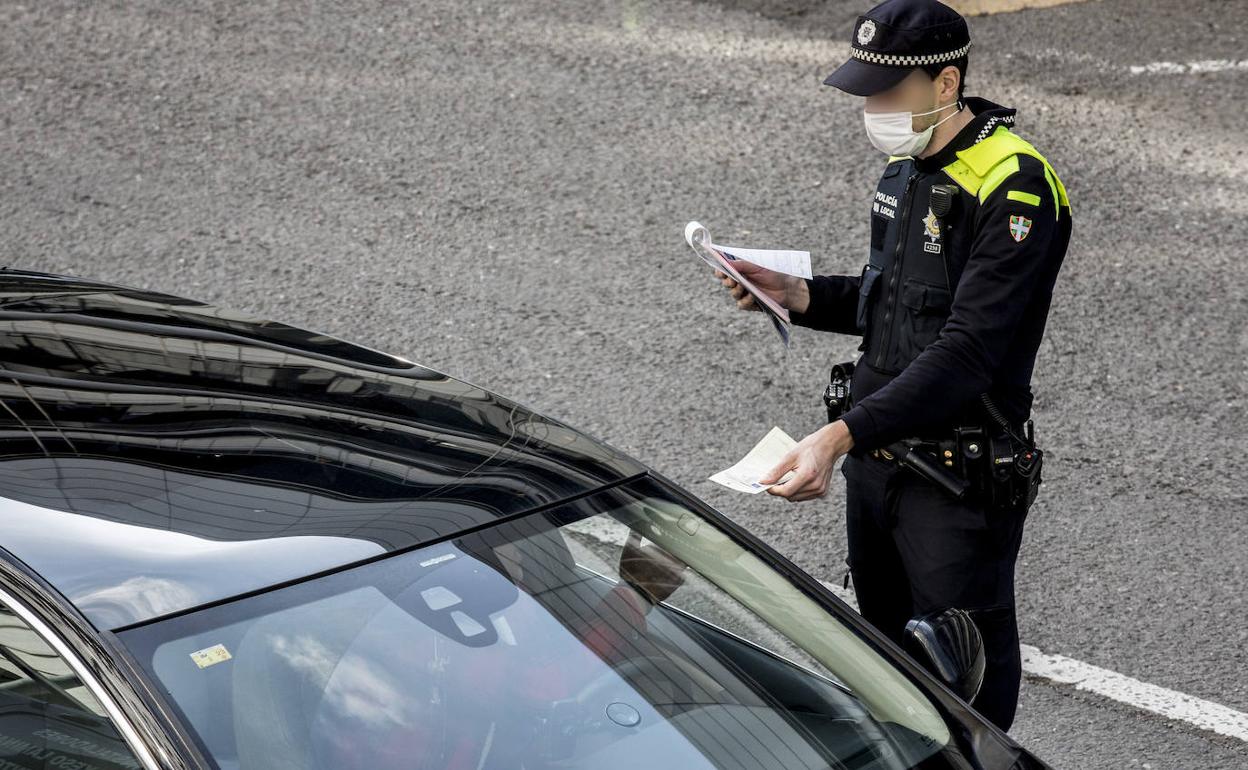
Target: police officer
(969, 226)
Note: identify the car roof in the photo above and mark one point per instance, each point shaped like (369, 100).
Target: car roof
(158, 453)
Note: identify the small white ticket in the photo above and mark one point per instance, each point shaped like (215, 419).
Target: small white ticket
(744, 476)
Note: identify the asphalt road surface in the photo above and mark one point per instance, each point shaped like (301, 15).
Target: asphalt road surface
(498, 190)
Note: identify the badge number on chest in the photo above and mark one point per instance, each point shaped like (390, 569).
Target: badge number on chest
(931, 228)
(1019, 227)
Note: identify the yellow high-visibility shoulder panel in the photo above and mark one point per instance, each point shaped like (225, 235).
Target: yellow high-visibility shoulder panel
(983, 166)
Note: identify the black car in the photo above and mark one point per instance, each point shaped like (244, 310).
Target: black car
(230, 543)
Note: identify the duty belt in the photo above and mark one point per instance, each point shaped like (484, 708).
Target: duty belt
(994, 462)
(990, 466)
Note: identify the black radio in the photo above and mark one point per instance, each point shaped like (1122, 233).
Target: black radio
(836, 394)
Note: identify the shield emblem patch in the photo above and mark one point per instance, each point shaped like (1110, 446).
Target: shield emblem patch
(1019, 227)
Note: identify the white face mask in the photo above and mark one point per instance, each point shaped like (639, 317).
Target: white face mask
(891, 132)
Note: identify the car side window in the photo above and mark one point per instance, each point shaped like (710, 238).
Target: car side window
(609, 549)
(48, 717)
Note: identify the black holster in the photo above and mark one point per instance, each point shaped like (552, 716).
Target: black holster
(1002, 467)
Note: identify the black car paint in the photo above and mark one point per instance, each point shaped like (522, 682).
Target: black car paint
(172, 424)
(471, 445)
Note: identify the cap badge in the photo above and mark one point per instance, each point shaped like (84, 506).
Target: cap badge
(866, 31)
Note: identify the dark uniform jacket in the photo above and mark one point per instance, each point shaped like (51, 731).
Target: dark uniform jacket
(951, 307)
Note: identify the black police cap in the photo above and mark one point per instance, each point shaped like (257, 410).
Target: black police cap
(896, 36)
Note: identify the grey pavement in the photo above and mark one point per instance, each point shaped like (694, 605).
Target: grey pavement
(498, 190)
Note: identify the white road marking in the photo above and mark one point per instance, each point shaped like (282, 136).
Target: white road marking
(990, 7)
(1060, 669)
(1200, 67)
(1204, 714)
(1191, 67)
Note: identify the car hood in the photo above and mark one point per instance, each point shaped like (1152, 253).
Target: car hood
(158, 453)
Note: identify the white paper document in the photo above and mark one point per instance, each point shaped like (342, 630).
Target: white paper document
(744, 476)
(781, 260)
(699, 239)
(788, 261)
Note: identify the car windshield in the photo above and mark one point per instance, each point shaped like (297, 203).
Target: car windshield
(621, 630)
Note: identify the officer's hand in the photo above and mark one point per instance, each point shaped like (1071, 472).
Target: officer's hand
(778, 286)
(811, 461)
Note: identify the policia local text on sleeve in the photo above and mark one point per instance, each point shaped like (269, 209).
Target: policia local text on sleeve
(969, 227)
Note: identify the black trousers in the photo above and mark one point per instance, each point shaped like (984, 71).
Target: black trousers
(914, 549)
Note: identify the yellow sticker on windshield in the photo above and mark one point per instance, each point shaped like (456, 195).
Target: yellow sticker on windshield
(211, 656)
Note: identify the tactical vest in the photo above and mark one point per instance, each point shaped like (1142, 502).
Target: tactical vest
(906, 290)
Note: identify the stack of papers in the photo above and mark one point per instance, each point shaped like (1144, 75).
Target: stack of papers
(782, 261)
(744, 476)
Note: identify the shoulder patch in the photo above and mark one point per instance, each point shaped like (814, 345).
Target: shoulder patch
(1019, 227)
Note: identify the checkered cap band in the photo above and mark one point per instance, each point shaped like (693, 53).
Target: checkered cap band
(907, 61)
